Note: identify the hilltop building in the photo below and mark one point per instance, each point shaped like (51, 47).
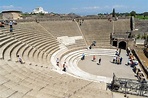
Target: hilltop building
(39, 10)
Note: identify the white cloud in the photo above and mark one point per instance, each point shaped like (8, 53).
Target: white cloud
(87, 8)
(91, 8)
(74, 8)
(7, 6)
(100, 9)
(106, 7)
(119, 6)
(10, 7)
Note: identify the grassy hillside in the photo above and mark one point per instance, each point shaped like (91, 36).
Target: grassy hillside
(141, 17)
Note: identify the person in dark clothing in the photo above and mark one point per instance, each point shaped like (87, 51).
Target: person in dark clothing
(11, 29)
(120, 60)
(83, 56)
(99, 60)
(64, 67)
(90, 47)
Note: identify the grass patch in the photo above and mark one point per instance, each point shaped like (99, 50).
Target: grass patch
(141, 17)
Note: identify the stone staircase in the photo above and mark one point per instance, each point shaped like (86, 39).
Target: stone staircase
(66, 28)
(97, 30)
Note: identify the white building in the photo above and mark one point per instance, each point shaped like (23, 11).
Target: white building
(39, 10)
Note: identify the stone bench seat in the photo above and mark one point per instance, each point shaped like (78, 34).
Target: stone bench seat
(5, 45)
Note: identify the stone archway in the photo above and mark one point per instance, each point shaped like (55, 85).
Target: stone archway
(115, 43)
(122, 45)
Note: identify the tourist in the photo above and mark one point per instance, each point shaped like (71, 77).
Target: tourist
(120, 60)
(90, 47)
(99, 60)
(11, 23)
(114, 59)
(20, 59)
(80, 24)
(117, 53)
(128, 51)
(94, 58)
(57, 61)
(11, 28)
(64, 67)
(93, 43)
(83, 56)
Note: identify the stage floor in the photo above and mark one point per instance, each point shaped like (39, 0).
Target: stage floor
(107, 68)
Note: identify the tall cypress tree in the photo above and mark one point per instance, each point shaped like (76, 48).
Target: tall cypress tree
(113, 14)
(131, 23)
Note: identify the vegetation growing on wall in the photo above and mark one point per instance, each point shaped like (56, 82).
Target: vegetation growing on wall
(142, 36)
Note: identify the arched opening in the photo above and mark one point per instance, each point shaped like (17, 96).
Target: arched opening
(122, 45)
(115, 43)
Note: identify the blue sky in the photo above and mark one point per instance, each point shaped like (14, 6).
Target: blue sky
(81, 7)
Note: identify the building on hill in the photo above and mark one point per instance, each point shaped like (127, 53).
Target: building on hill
(39, 10)
(11, 15)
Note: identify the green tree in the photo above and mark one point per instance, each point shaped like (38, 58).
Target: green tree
(138, 36)
(133, 13)
(147, 38)
(26, 14)
(144, 36)
(145, 13)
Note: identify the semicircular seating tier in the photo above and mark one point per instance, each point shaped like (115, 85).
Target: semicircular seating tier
(39, 44)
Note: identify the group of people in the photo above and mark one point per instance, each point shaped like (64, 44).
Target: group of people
(117, 59)
(64, 64)
(80, 21)
(93, 58)
(99, 60)
(131, 60)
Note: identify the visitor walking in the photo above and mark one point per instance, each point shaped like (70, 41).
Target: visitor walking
(120, 60)
(94, 58)
(99, 62)
(64, 67)
(90, 47)
(11, 28)
(10, 24)
(57, 62)
(83, 56)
